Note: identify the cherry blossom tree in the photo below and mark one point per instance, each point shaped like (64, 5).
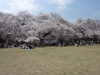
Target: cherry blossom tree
(49, 29)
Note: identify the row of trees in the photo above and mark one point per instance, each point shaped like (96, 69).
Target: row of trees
(46, 29)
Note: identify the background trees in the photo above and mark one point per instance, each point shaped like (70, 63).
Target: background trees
(50, 29)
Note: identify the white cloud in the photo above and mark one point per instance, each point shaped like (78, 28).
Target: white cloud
(23, 4)
(61, 4)
(7, 11)
(61, 7)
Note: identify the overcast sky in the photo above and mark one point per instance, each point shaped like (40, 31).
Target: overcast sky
(68, 9)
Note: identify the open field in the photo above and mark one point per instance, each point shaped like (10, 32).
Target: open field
(69, 60)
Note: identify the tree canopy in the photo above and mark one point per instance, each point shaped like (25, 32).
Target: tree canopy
(48, 28)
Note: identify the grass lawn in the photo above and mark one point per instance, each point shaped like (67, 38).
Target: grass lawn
(68, 60)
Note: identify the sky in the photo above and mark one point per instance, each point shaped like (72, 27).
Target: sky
(68, 9)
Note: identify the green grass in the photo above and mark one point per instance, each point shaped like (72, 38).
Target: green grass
(69, 60)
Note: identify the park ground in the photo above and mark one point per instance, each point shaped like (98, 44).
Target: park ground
(69, 60)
